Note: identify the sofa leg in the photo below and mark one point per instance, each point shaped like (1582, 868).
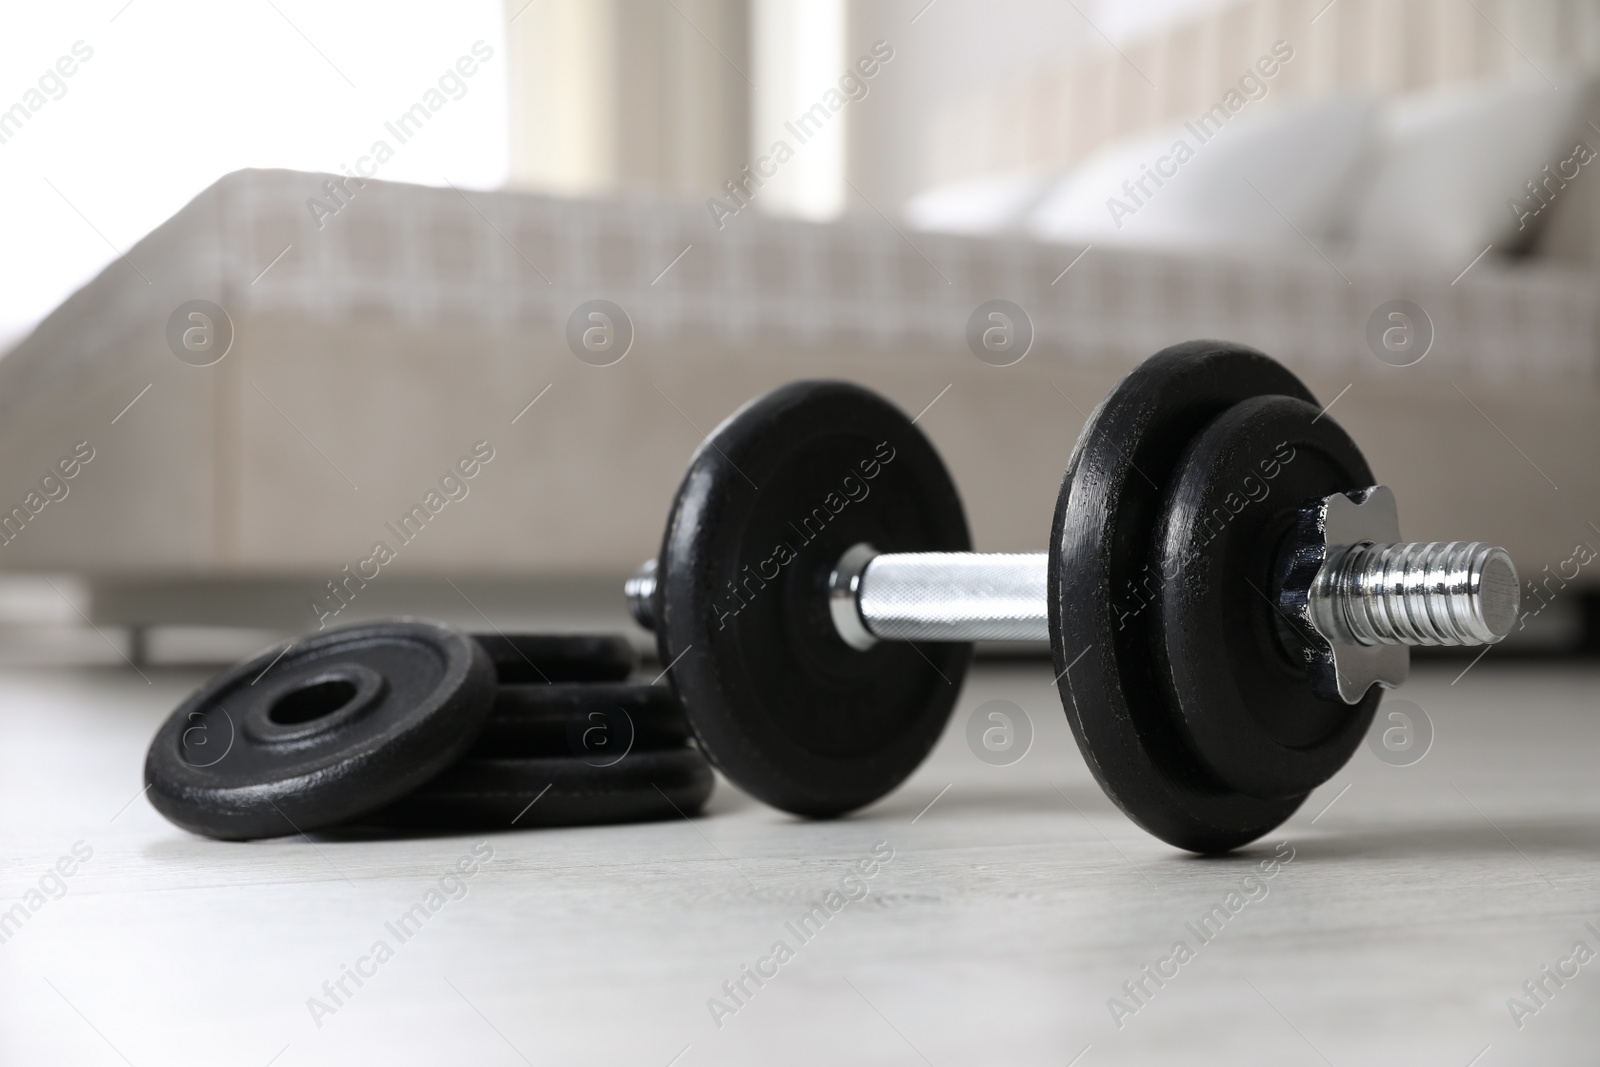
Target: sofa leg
(139, 645)
(1589, 642)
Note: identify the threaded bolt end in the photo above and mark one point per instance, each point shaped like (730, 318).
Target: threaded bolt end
(1434, 593)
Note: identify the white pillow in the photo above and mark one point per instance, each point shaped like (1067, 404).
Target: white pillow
(1301, 158)
(1452, 160)
(986, 206)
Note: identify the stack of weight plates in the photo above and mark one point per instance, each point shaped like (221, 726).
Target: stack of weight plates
(408, 724)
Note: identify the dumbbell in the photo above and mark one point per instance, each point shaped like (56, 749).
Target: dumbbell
(1225, 596)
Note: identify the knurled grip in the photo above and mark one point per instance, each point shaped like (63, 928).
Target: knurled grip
(955, 596)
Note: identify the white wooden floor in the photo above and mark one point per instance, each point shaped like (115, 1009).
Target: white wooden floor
(1013, 909)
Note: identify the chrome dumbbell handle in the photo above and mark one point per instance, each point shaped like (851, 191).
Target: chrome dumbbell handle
(938, 596)
(1440, 593)
(1363, 594)
(916, 596)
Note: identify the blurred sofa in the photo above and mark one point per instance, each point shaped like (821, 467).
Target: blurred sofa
(376, 347)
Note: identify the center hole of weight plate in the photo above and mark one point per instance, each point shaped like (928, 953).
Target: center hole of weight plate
(312, 702)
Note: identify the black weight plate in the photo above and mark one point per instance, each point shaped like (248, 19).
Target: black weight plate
(520, 793)
(321, 730)
(770, 502)
(1103, 634)
(594, 721)
(526, 658)
(1243, 700)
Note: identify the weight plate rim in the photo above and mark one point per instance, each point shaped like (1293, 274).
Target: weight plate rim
(538, 694)
(1126, 746)
(532, 719)
(613, 659)
(438, 732)
(681, 775)
(789, 778)
(1248, 760)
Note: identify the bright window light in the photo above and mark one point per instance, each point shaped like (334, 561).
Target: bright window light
(799, 56)
(173, 95)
